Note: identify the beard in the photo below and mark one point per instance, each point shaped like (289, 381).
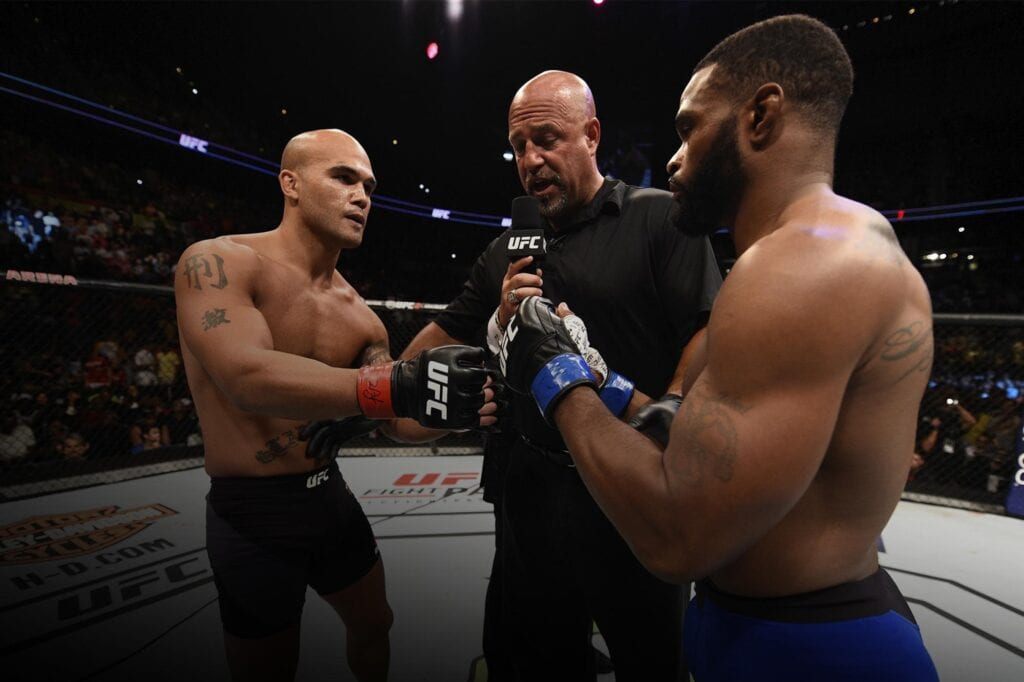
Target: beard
(555, 207)
(702, 203)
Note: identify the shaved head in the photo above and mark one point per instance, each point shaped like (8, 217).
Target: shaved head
(565, 90)
(554, 133)
(311, 145)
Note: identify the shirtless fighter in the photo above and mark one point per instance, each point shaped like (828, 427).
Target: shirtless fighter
(273, 337)
(788, 454)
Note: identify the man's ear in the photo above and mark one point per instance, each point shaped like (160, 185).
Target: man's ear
(592, 129)
(289, 184)
(764, 115)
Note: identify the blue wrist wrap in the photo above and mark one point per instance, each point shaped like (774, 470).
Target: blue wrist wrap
(616, 393)
(555, 378)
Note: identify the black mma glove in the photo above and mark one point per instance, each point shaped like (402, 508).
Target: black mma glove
(501, 395)
(441, 388)
(654, 419)
(327, 435)
(538, 356)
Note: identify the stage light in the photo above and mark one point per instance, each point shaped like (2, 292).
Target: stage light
(138, 181)
(507, 156)
(394, 141)
(961, 229)
(454, 8)
(284, 112)
(598, 2)
(194, 91)
(432, 50)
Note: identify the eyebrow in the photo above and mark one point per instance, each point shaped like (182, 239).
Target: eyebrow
(344, 168)
(540, 129)
(685, 117)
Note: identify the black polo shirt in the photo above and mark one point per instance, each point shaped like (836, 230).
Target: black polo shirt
(642, 288)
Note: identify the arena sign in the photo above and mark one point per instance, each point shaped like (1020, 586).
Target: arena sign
(1015, 498)
(73, 534)
(40, 277)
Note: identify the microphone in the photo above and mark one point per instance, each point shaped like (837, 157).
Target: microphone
(526, 236)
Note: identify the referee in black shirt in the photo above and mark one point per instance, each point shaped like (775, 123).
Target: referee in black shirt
(644, 290)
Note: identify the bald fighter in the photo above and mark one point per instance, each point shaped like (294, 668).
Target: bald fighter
(272, 338)
(788, 454)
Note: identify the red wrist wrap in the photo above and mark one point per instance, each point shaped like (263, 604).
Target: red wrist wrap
(373, 389)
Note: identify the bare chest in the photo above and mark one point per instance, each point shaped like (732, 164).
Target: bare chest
(332, 325)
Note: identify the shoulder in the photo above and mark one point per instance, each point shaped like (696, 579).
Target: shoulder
(824, 281)
(646, 197)
(237, 247)
(218, 260)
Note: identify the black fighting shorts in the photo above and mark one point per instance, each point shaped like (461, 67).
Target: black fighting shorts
(270, 537)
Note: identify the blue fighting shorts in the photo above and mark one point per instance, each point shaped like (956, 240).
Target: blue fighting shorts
(855, 631)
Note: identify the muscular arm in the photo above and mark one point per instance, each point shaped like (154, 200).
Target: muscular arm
(742, 449)
(431, 336)
(691, 363)
(214, 288)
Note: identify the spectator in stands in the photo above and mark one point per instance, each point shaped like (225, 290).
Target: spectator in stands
(75, 447)
(152, 438)
(98, 371)
(144, 364)
(16, 438)
(168, 363)
(140, 433)
(181, 425)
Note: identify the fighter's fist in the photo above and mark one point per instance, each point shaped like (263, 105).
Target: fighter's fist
(441, 388)
(538, 355)
(654, 419)
(327, 435)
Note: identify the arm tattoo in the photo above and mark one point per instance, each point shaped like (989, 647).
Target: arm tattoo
(913, 340)
(376, 353)
(276, 448)
(710, 438)
(198, 267)
(215, 318)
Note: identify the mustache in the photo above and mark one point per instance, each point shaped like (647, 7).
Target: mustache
(554, 179)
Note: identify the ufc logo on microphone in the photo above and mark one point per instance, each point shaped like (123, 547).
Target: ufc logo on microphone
(529, 242)
(437, 383)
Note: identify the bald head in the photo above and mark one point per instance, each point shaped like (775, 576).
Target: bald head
(554, 133)
(565, 90)
(314, 145)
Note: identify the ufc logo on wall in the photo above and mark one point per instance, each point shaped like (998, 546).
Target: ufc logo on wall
(437, 383)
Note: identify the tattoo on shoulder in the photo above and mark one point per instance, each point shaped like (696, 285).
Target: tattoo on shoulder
(711, 439)
(215, 318)
(913, 341)
(198, 268)
(277, 447)
(376, 354)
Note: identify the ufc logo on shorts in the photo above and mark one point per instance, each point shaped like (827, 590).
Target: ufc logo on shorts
(531, 242)
(510, 335)
(316, 479)
(437, 383)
